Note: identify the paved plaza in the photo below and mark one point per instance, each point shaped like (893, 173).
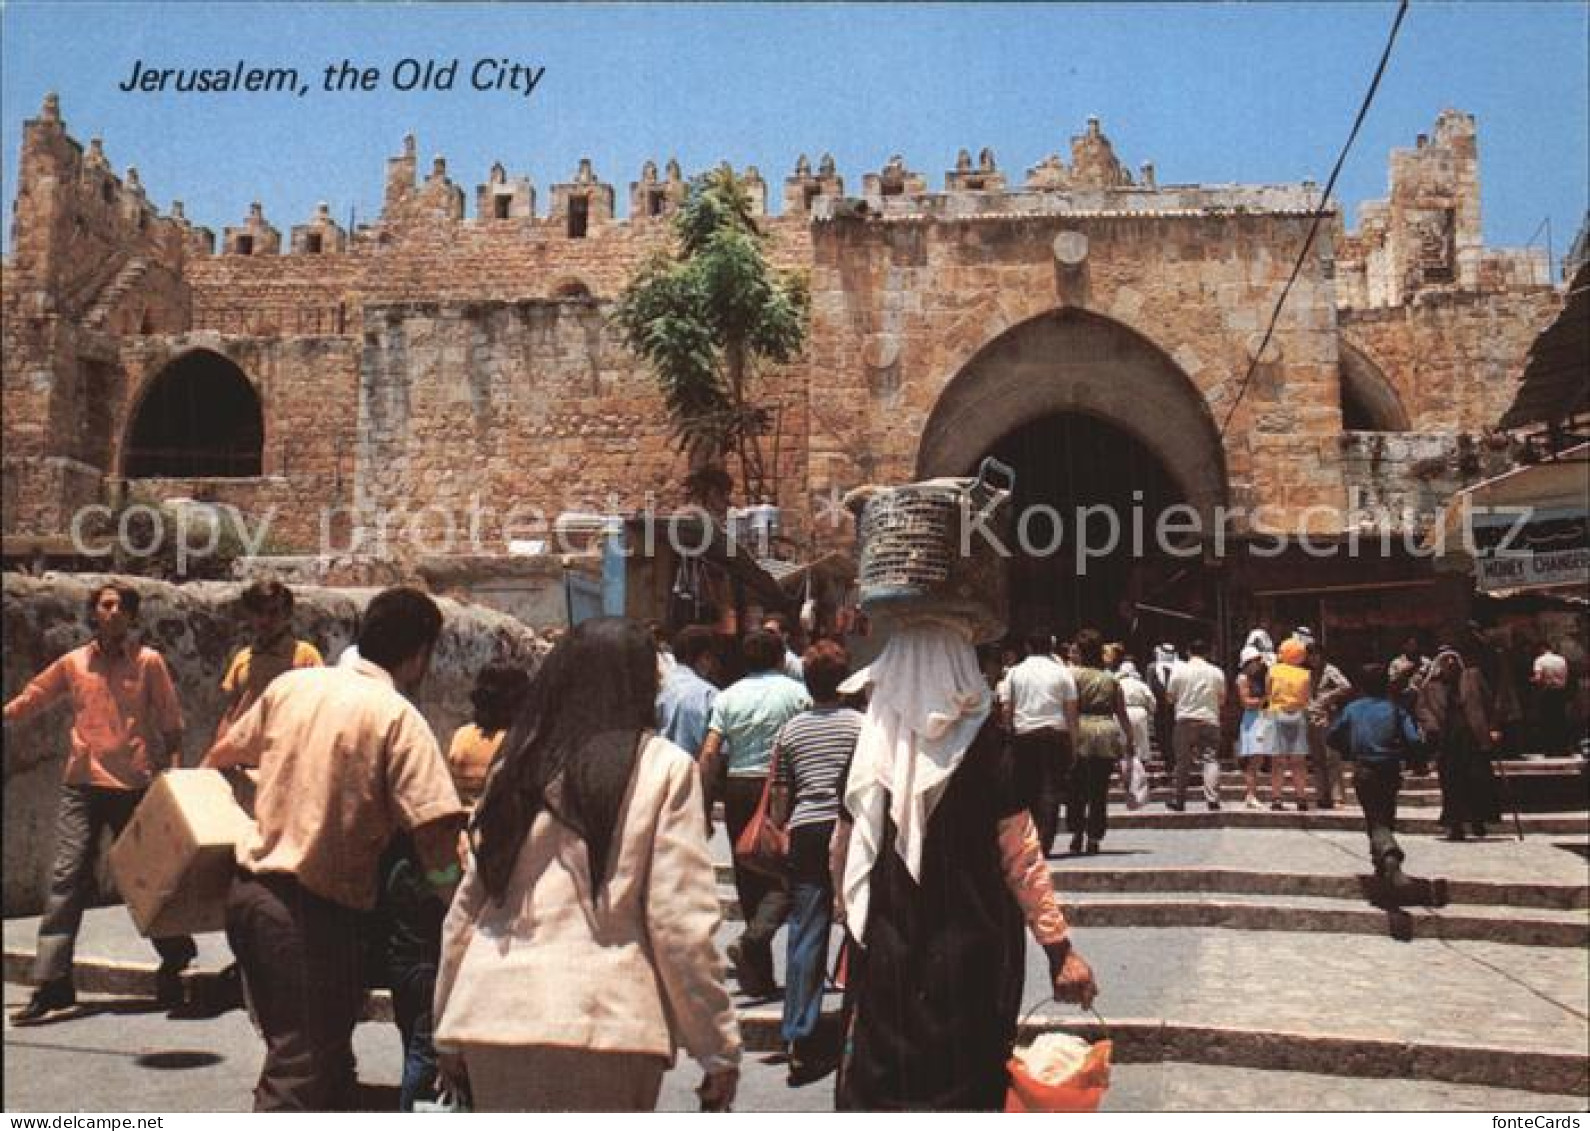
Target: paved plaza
(1239, 1013)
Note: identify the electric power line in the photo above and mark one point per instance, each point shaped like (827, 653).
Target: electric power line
(1319, 213)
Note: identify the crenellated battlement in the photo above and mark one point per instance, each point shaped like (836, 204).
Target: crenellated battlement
(76, 225)
(1426, 236)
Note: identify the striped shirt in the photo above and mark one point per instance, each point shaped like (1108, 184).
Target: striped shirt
(814, 751)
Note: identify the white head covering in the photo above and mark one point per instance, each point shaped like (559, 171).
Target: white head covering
(1249, 653)
(1304, 633)
(1259, 639)
(929, 700)
(1127, 670)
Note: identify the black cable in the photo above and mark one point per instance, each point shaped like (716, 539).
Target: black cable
(1319, 214)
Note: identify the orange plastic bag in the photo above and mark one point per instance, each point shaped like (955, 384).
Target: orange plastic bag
(1082, 1091)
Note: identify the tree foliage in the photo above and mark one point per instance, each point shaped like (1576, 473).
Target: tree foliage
(704, 315)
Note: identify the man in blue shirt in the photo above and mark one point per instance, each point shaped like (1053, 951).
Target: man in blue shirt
(1379, 735)
(684, 702)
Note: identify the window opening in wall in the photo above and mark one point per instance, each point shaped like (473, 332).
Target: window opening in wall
(313, 243)
(200, 418)
(1369, 403)
(579, 217)
(500, 206)
(245, 245)
(655, 200)
(893, 188)
(108, 192)
(809, 194)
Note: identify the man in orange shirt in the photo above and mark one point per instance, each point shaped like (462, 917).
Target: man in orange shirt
(268, 605)
(126, 727)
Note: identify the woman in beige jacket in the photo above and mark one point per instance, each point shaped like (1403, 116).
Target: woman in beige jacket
(578, 953)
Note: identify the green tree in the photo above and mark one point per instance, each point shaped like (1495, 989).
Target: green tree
(704, 315)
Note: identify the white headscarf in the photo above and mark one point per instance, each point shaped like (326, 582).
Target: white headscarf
(929, 700)
(1260, 641)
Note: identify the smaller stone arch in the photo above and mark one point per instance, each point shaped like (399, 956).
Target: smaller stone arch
(572, 287)
(199, 417)
(1369, 401)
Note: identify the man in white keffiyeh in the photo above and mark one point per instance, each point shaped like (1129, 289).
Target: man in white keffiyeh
(938, 868)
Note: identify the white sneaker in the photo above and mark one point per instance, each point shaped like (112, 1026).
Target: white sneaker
(1253, 803)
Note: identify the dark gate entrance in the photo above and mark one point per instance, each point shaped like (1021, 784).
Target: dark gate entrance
(1065, 464)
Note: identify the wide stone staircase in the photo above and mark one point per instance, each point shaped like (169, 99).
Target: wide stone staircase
(1246, 959)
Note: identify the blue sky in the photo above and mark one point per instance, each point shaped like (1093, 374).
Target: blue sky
(1218, 93)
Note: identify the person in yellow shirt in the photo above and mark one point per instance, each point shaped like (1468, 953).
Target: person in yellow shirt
(500, 690)
(268, 608)
(1291, 686)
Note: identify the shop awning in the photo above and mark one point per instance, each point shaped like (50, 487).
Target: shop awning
(1556, 384)
(1557, 488)
(1527, 530)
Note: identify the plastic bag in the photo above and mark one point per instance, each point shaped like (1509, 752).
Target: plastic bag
(447, 1101)
(1134, 780)
(1080, 1091)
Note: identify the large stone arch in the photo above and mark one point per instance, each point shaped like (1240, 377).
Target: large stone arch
(199, 416)
(1369, 401)
(1072, 361)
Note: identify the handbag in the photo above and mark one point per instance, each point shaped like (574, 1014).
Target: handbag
(763, 845)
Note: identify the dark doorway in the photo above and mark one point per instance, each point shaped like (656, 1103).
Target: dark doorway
(1071, 462)
(199, 419)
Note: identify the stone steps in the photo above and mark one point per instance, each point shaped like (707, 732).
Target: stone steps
(1513, 926)
(1490, 893)
(1197, 816)
(1136, 1040)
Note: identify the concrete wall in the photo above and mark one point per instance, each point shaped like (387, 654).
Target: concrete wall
(196, 628)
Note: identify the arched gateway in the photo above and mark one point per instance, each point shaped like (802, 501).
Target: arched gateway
(1092, 416)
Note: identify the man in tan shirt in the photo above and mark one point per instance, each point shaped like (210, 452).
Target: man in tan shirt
(126, 727)
(345, 762)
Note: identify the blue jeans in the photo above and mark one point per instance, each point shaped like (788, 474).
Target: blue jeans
(412, 991)
(811, 912)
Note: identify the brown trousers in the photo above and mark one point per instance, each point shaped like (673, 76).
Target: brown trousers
(302, 963)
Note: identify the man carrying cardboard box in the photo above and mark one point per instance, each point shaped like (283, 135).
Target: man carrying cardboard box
(126, 727)
(345, 762)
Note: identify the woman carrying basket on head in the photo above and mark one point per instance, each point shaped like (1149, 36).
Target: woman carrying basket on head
(941, 873)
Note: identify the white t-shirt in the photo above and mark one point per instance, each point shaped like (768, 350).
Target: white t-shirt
(1038, 690)
(1551, 670)
(1198, 689)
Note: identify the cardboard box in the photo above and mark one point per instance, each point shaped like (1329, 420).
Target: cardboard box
(173, 863)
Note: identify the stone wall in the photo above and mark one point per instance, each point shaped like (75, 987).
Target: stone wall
(196, 628)
(1453, 359)
(904, 306)
(429, 355)
(509, 411)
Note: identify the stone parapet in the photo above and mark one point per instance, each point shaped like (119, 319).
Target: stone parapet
(196, 628)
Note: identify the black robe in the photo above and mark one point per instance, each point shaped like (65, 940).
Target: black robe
(932, 1000)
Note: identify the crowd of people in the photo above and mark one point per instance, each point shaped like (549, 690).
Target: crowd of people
(542, 899)
(1081, 709)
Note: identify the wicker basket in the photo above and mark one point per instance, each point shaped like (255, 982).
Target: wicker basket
(912, 541)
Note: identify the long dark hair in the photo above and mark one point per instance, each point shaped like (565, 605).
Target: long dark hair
(580, 727)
